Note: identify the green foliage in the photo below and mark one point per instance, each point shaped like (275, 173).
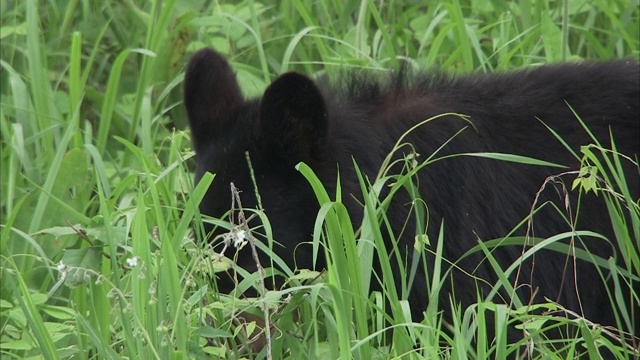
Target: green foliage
(98, 257)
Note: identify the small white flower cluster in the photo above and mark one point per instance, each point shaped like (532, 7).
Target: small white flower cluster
(64, 271)
(239, 238)
(62, 267)
(236, 237)
(133, 262)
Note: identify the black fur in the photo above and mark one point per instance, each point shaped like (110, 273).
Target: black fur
(362, 116)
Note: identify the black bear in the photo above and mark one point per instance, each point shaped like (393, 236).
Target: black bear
(358, 118)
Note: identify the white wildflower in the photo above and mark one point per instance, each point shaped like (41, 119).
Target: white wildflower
(133, 261)
(239, 238)
(62, 267)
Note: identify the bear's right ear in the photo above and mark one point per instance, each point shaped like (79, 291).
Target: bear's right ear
(211, 92)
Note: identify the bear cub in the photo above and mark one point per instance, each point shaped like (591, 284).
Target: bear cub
(359, 117)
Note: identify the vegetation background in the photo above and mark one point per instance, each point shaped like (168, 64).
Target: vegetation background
(98, 259)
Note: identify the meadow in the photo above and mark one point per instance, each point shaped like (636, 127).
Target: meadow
(99, 258)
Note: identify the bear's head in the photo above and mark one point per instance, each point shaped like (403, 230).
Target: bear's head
(286, 126)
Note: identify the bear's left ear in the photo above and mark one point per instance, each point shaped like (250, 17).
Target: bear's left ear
(293, 118)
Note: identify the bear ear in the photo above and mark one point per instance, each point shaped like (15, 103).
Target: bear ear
(293, 118)
(211, 92)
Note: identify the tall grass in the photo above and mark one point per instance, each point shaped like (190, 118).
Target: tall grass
(98, 256)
